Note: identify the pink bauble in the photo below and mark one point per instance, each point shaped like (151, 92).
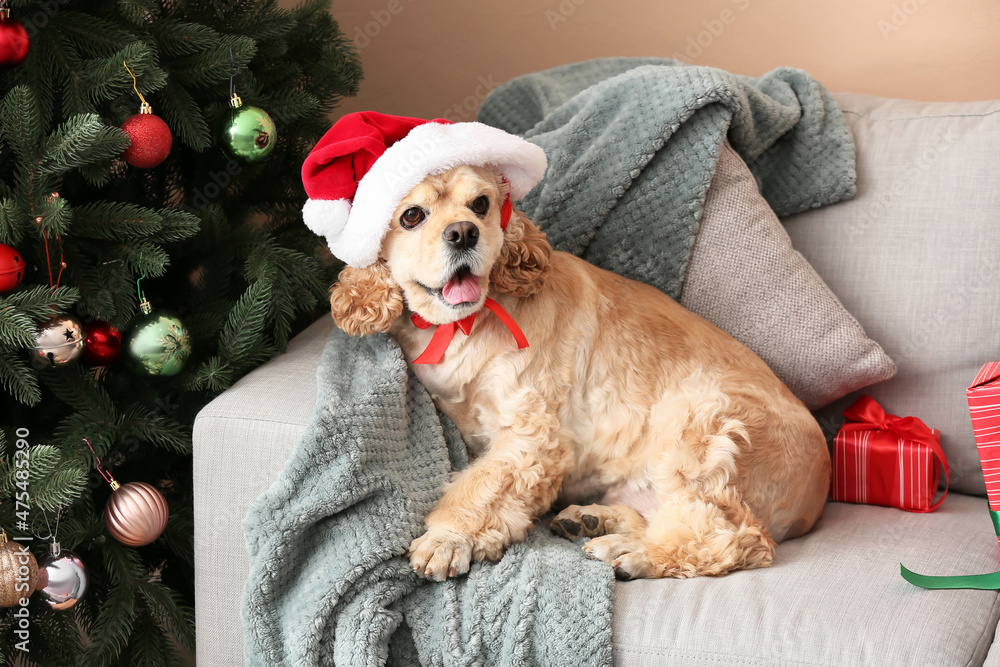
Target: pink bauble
(136, 514)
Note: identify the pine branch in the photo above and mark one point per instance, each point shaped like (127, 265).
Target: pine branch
(115, 221)
(54, 482)
(92, 34)
(17, 330)
(20, 124)
(17, 379)
(137, 11)
(170, 613)
(246, 321)
(213, 66)
(84, 394)
(39, 301)
(146, 425)
(111, 631)
(79, 141)
(176, 226)
(107, 77)
(185, 117)
(181, 38)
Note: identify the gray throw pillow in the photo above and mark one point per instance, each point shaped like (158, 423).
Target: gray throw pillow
(745, 277)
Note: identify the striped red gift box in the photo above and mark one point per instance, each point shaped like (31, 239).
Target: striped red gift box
(984, 407)
(882, 459)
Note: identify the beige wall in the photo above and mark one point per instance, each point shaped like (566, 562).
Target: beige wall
(440, 57)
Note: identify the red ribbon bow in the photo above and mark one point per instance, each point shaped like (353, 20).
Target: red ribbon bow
(867, 415)
(445, 332)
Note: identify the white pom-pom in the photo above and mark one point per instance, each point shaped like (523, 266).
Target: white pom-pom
(326, 217)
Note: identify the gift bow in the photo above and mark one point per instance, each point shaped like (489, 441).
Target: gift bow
(867, 415)
(445, 332)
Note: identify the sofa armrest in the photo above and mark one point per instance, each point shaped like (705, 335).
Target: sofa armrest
(241, 442)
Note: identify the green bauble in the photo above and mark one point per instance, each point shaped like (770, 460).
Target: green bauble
(249, 135)
(159, 344)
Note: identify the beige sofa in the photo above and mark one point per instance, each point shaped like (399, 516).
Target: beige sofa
(916, 258)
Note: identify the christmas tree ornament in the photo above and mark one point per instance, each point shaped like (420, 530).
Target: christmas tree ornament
(158, 344)
(11, 268)
(18, 572)
(62, 578)
(136, 513)
(59, 342)
(249, 133)
(103, 343)
(14, 40)
(150, 136)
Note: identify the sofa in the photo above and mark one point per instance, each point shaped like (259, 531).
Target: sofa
(915, 257)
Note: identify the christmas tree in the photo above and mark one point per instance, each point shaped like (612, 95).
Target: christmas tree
(194, 208)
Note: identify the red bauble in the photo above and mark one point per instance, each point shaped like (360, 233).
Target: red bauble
(103, 343)
(11, 268)
(14, 43)
(151, 140)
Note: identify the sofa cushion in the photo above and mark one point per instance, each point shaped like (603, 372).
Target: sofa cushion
(832, 598)
(745, 277)
(915, 256)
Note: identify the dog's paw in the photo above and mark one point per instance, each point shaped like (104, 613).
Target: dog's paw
(440, 553)
(576, 521)
(594, 520)
(626, 555)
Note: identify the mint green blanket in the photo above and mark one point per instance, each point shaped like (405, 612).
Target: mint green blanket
(632, 151)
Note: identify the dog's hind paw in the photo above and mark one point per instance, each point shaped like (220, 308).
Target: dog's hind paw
(594, 520)
(626, 555)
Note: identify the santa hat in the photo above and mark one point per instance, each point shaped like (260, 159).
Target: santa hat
(367, 162)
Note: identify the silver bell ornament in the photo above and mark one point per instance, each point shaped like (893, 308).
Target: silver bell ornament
(62, 578)
(59, 342)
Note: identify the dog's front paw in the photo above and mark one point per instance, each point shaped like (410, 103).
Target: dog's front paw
(440, 553)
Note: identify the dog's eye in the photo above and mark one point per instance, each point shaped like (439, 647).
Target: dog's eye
(480, 205)
(412, 217)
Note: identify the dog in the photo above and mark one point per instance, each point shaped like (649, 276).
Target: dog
(666, 442)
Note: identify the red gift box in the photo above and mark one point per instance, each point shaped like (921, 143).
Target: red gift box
(882, 459)
(984, 407)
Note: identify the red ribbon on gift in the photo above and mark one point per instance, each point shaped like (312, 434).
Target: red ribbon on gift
(867, 415)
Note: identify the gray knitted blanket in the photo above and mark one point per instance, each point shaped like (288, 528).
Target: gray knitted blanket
(328, 582)
(632, 146)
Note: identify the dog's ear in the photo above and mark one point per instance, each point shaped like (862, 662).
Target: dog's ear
(366, 301)
(524, 258)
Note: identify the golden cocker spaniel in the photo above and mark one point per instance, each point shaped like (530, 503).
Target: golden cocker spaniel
(672, 446)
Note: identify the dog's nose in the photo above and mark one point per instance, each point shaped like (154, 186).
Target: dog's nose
(462, 235)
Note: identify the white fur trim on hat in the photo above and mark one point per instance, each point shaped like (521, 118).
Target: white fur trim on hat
(326, 217)
(428, 149)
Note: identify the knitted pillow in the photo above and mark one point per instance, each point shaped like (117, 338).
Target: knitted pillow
(745, 277)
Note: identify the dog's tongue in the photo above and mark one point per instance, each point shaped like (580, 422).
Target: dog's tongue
(461, 288)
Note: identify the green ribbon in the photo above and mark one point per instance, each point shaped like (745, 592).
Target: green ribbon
(995, 515)
(983, 582)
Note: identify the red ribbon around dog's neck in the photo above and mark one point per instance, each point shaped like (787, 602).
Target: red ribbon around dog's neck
(446, 332)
